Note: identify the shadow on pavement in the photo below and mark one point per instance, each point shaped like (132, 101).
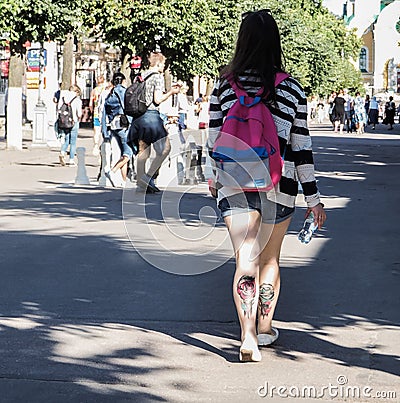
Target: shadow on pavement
(70, 300)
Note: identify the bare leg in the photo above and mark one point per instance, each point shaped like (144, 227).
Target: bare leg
(243, 230)
(143, 155)
(96, 140)
(124, 171)
(121, 163)
(269, 277)
(159, 158)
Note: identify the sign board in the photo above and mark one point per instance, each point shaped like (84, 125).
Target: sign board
(33, 59)
(33, 80)
(4, 67)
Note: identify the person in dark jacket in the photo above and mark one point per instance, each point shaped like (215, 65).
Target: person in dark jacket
(116, 124)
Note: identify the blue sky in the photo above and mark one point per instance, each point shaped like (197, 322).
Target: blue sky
(336, 6)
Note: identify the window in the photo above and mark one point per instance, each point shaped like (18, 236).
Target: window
(363, 63)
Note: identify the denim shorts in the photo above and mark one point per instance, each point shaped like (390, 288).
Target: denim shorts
(271, 212)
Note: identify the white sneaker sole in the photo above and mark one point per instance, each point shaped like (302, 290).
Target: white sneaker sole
(265, 339)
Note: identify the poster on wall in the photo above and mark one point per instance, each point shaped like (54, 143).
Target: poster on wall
(4, 68)
(35, 58)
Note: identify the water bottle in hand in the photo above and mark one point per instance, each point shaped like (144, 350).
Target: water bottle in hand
(309, 227)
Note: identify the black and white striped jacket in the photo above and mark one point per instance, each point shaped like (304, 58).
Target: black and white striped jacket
(290, 116)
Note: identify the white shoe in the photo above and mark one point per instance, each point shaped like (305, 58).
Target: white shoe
(61, 157)
(249, 351)
(71, 163)
(265, 339)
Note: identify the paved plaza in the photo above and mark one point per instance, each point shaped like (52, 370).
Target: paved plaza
(86, 317)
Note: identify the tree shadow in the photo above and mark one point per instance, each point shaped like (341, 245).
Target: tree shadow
(74, 286)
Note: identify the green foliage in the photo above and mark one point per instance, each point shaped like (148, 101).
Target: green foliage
(36, 20)
(317, 46)
(197, 36)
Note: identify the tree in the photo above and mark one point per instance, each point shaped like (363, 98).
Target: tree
(34, 20)
(317, 46)
(198, 36)
(194, 35)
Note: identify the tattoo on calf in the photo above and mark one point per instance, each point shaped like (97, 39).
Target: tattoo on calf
(265, 299)
(246, 288)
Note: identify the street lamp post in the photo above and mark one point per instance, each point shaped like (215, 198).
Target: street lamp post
(40, 111)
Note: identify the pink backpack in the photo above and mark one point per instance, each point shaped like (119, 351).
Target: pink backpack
(246, 150)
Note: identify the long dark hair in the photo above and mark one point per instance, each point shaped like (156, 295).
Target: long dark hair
(258, 48)
(117, 79)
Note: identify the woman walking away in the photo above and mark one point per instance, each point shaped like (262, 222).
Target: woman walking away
(359, 113)
(340, 115)
(257, 221)
(373, 112)
(69, 112)
(149, 128)
(390, 112)
(116, 124)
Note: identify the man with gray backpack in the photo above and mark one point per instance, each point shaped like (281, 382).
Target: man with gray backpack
(68, 114)
(147, 127)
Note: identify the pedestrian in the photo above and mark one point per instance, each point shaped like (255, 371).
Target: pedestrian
(313, 108)
(331, 110)
(366, 107)
(149, 128)
(203, 112)
(348, 110)
(340, 115)
(5, 112)
(390, 112)
(256, 282)
(56, 96)
(197, 103)
(182, 104)
(320, 112)
(116, 124)
(70, 136)
(94, 110)
(373, 112)
(359, 113)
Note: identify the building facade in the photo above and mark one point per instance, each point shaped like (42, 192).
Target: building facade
(377, 23)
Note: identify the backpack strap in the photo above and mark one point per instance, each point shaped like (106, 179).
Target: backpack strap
(119, 99)
(120, 102)
(139, 78)
(279, 77)
(70, 102)
(149, 75)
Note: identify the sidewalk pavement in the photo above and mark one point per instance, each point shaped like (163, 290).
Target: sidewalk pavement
(85, 318)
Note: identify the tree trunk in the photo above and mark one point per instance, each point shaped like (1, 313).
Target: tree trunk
(16, 71)
(14, 103)
(68, 59)
(168, 79)
(125, 68)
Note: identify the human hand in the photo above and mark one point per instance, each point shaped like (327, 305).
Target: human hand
(175, 89)
(319, 214)
(212, 188)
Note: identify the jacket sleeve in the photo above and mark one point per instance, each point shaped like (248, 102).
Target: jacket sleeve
(302, 154)
(215, 117)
